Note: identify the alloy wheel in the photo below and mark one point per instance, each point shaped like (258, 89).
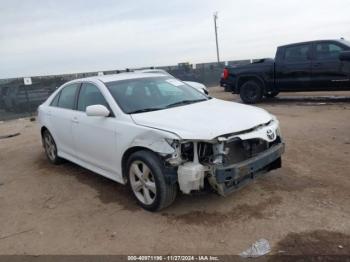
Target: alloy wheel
(142, 182)
(50, 146)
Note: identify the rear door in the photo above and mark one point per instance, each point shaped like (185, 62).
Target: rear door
(61, 115)
(94, 137)
(293, 68)
(328, 72)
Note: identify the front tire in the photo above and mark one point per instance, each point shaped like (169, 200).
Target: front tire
(147, 182)
(50, 148)
(251, 92)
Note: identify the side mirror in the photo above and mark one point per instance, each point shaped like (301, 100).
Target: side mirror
(97, 110)
(344, 56)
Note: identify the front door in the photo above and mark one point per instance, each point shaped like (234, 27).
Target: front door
(328, 72)
(94, 137)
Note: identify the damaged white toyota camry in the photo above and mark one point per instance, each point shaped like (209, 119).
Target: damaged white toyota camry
(158, 134)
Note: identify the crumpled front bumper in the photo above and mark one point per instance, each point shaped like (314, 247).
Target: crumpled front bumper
(230, 178)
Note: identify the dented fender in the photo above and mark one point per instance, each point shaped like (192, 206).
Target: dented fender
(155, 140)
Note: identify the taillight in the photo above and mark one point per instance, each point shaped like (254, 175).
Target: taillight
(225, 74)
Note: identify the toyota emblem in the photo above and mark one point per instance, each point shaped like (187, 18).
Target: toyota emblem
(270, 134)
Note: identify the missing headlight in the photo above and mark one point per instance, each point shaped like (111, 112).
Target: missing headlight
(205, 151)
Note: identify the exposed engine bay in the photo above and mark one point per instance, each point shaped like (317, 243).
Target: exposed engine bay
(228, 160)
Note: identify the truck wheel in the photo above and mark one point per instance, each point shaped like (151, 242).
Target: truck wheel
(251, 92)
(273, 94)
(147, 182)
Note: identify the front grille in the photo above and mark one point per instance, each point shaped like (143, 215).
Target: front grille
(240, 150)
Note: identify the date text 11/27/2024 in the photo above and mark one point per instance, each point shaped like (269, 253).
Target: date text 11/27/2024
(173, 258)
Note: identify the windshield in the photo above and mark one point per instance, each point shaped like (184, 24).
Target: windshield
(153, 93)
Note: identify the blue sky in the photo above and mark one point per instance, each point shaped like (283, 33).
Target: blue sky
(40, 37)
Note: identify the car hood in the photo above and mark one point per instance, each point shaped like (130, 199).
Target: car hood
(204, 120)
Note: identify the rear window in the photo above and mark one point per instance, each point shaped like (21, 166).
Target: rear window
(54, 101)
(67, 97)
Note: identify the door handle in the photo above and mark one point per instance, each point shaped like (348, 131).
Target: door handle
(75, 120)
(317, 64)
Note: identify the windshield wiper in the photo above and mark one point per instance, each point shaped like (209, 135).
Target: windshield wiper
(185, 102)
(146, 110)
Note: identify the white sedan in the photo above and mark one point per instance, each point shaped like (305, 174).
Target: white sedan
(158, 135)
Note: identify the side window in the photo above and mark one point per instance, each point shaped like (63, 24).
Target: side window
(327, 51)
(297, 53)
(54, 101)
(67, 97)
(90, 95)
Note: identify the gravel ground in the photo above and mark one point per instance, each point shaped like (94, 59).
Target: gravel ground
(302, 208)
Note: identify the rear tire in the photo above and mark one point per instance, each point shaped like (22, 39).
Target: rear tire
(251, 92)
(51, 148)
(147, 181)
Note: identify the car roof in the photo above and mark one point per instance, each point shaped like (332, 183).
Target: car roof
(160, 71)
(342, 41)
(118, 77)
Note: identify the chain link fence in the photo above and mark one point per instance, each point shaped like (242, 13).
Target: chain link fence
(18, 99)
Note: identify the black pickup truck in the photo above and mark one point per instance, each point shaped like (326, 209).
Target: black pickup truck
(322, 65)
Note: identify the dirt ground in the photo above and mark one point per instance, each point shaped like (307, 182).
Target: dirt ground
(302, 208)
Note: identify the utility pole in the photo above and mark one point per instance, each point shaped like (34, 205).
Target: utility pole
(216, 36)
